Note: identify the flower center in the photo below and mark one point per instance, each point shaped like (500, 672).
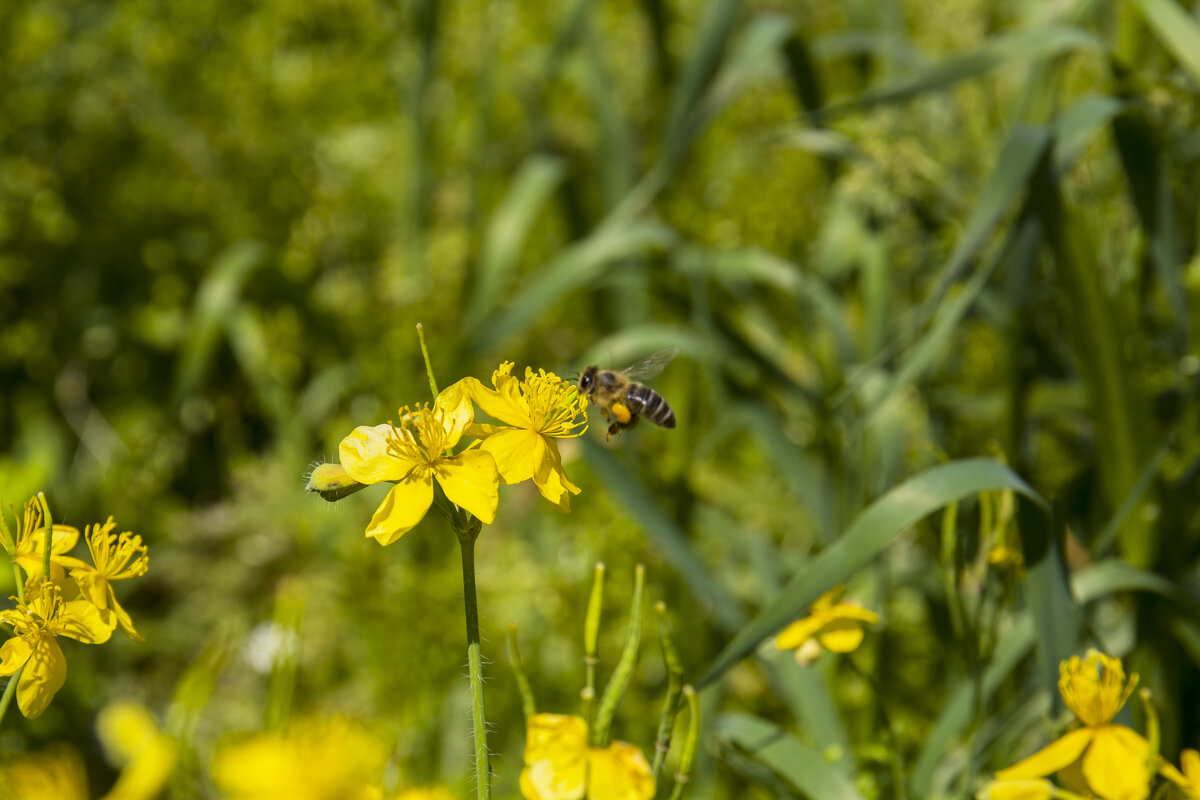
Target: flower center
(421, 435)
(555, 406)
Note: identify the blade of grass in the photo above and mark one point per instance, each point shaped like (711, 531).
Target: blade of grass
(800, 764)
(623, 483)
(535, 183)
(1025, 44)
(872, 531)
(1178, 31)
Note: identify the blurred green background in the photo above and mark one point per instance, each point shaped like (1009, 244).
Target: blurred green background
(882, 234)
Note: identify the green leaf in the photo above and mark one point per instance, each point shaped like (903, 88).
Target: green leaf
(1022, 45)
(623, 482)
(958, 712)
(1177, 29)
(573, 268)
(800, 764)
(873, 530)
(534, 183)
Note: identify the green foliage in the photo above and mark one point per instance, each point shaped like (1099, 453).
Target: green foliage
(895, 244)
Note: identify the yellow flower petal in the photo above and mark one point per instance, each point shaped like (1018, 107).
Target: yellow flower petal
(470, 480)
(841, 635)
(1017, 790)
(550, 735)
(1050, 758)
(45, 673)
(14, 653)
(1190, 761)
(505, 402)
(365, 456)
(518, 453)
(798, 633)
(56, 773)
(827, 600)
(453, 408)
(84, 622)
(404, 506)
(551, 481)
(555, 757)
(619, 772)
(92, 585)
(1115, 765)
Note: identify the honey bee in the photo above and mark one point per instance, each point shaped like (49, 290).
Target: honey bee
(622, 399)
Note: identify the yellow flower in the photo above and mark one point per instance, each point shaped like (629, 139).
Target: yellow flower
(1017, 790)
(833, 625)
(425, 793)
(1189, 779)
(44, 616)
(133, 739)
(559, 765)
(330, 759)
(415, 453)
(116, 558)
(537, 410)
(26, 549)
(56, 773)
(1111, 759)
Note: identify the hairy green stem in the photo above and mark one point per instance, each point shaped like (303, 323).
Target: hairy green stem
(483, 772)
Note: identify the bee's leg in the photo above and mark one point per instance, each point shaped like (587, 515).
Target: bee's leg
(613, 429)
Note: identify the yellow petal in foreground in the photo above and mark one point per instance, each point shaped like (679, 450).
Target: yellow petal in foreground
(555, 757)
(1115, 765)
(470, 481)
(45, 673)
(56, 773)
(403, 507)
(619, 772)
(1050, 759)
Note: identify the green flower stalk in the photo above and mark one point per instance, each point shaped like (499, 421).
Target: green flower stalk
(591, 638)
(624, 671)
(662, 744)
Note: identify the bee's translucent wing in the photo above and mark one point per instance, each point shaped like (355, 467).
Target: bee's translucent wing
(649, 367)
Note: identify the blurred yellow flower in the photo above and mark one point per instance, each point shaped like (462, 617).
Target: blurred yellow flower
(831, 624)
(116, 558)
(537, 410)
(314, 759)
(559, 764)
(36, 623)
(425, 793)
(134, 741)
(414, 460)
(1017, 790)
(56, 773)
(26, 547)
(1188, 780)
(1111, 759)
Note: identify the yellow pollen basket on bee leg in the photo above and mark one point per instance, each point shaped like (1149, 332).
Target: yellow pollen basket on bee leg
(621, 413)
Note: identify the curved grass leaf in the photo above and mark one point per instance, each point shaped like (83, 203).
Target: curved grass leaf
(532, 186)
(800, 764)
(873, 530)
(576, 266)
(1021, 45)
(957, 714)
(622, 481)
(1177, 29)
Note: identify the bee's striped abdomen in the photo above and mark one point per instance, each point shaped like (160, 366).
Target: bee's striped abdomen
(650, 404)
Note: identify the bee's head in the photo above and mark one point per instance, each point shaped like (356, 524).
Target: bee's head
(587, 381)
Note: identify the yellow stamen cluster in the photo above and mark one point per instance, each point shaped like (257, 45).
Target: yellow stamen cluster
(117, 557)
(1094, 687)
(555, 405)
